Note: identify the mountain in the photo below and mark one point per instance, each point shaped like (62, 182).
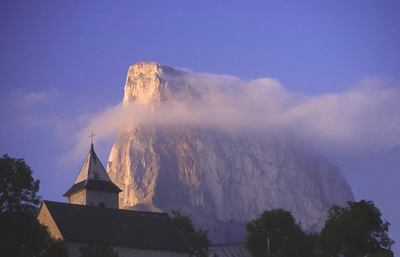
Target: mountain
(223, 178)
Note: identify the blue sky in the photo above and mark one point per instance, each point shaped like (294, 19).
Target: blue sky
(63, 63)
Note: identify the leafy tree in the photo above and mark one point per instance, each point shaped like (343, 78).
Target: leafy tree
(382, 253)
(97, 250)
(55, 248)
(197, 239)
(21, 234)
(284, 234)
(18, 189)
(355, 230)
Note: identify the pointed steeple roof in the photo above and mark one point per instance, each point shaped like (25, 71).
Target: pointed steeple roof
(93, 176)
(92, 168)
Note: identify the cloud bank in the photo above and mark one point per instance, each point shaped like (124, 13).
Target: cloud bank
(362, 119)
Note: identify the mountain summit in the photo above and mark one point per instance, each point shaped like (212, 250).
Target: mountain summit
(149, 81)
(223, 179)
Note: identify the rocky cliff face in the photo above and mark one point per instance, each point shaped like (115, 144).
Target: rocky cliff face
(222, 179)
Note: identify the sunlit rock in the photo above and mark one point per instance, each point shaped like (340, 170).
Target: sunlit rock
(223, 179)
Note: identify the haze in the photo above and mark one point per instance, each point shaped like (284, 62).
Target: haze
(324, 73)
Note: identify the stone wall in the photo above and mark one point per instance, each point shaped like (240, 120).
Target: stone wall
(96, 197)
(78, 197)
(73, 249)
(229, 250)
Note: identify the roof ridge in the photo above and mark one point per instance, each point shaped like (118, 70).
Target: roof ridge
(102, 208)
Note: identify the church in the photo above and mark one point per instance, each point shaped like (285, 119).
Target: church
(92, 216)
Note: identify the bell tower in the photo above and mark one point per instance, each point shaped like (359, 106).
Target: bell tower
(93, 186)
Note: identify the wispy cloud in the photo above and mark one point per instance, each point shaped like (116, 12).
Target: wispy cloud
(33, 109)
(37, 97)
(362, 118)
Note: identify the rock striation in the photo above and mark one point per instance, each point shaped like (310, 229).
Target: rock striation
(222, 179)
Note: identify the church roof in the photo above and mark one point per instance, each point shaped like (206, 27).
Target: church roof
(93, 176)
(92, 184)
(125, 228)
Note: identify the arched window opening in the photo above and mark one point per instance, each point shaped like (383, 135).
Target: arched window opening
(102, 204)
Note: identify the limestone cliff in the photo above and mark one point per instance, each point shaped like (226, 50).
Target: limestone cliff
(222, 179)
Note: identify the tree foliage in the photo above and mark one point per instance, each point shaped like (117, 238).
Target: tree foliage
(97, 250)
(197, 239)
(285, 236)
(18, 189)
(21, 234)
(355, 230)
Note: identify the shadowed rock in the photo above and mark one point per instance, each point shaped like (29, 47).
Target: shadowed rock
(222, 179)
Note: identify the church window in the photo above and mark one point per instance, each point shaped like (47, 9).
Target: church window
(101, 204)
(96, 175)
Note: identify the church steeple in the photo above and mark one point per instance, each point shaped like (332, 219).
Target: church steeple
(92, 168)
(93, 186)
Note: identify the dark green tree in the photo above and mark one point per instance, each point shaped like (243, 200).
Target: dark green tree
(18, 189)
(355, 230)
(285, 236)
(197, 239)
(21, 234)
(97, 250)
